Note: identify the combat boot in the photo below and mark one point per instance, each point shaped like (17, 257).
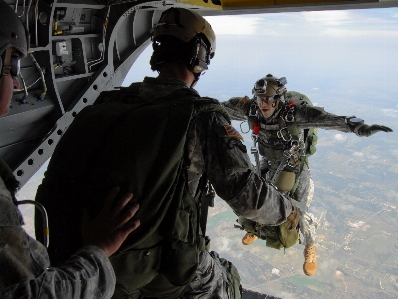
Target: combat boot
(249, 239)
(309, 266)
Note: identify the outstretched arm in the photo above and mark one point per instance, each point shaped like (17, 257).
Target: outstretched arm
(316, 117)
(216, 148)
(237, 107)
(366, 130)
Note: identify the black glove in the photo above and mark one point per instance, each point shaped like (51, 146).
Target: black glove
(366, 131)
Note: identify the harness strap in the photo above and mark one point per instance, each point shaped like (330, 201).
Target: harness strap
(6, 64)
(254, 149)
(206, 202)
(256, 128)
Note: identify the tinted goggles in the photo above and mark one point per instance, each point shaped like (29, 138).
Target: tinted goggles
(266, 100)
(14, 64)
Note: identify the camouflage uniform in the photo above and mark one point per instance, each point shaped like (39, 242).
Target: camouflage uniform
(212, 148)
(215, 148)
(305, 117)
(24, 264)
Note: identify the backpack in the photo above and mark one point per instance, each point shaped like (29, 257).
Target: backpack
(280, 236)
(276, 237)
(310, 135)
(153, 171)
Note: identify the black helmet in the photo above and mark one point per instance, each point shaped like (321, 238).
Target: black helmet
(183, 36)
(12, 31)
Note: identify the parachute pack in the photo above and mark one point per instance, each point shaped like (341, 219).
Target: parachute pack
(276, 237)
(310, 135)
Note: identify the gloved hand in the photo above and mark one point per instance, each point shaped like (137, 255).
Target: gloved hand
(294, 217)
(366, 131)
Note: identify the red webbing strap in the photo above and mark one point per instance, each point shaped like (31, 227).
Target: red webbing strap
(256, 128)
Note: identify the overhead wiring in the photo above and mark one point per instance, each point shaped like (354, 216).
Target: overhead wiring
(24, 89)
(104, 28)
(44, 86)
(36, 18)
(23, 8)
(27, 15)
(27, 87)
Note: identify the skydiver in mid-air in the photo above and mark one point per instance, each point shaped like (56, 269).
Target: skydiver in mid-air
(283, 124)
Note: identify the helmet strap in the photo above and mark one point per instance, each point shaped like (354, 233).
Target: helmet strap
(197, 77)
(5, 67)
(5, 70)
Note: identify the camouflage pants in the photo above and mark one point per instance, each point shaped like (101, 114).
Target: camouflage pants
(304, 194)
(210, 281)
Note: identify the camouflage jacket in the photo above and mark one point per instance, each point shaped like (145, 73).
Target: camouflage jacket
(24, 264)
(90, 156)
(215, 149)
(270, 145)
(306, 116)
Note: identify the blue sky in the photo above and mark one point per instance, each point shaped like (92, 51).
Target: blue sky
(345, 61)
(323, 54)
(338, 23)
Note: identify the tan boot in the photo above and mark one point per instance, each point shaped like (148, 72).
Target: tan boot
(309, 266)
(248, 239)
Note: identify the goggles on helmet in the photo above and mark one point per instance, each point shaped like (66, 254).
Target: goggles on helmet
(14, 64)
(266, 100)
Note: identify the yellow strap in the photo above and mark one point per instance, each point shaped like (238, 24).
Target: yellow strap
(7, 60)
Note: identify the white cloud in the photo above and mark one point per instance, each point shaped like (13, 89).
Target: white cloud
(276, 271)
(234, 25)
(341, 23)
(340, 138)
(315, 88)
(395, 152)
(328, 265)
(223, 246)
(346, 17)
(357, 154)
(359, 33)
(390, 112)
(267, 32)
(285, 295)
(346, 207)
(327, 17)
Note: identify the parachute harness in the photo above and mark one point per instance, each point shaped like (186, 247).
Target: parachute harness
(254, 149)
